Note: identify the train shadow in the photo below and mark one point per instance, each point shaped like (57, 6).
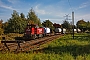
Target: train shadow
(22, 39)
(74, 50)
(19, 38)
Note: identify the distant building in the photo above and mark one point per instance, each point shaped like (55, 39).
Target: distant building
(57, 25)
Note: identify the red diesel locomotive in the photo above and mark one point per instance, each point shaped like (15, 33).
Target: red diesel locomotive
(33, 31)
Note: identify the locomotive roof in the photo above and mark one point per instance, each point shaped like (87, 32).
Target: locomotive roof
(57, 25)
(32, 25)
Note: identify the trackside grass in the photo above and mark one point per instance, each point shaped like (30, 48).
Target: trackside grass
(63, 48)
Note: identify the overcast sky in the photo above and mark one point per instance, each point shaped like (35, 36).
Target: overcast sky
(54, 10)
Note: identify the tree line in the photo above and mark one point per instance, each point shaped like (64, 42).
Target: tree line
(18, 22)
(81, 24)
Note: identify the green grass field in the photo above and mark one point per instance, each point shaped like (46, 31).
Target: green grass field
(63, 48)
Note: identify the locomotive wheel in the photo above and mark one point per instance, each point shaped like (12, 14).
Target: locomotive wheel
(41, 35)
(33, 36)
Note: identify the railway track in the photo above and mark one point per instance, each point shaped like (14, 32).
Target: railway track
(21, 45)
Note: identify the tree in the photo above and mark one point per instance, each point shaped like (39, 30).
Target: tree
(1, 24)
(66, 24)
(5, 27)
(33, 17)
(22, 16)
(16, 23)
(48, 23)
(82, 25)
(39, 23)
(1, 27)
(23, 22)
(88, 26)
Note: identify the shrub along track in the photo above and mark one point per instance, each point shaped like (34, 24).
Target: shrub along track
(25, 46)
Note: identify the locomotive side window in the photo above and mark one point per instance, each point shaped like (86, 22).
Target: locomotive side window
(28, 29)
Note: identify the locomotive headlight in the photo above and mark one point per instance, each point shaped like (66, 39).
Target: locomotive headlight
(24, 33)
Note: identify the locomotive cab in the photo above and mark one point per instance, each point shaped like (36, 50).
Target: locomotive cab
(29, 32)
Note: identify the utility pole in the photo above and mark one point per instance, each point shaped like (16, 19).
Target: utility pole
(73, 23)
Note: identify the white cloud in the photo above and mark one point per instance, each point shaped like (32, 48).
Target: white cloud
(5, 6)
(40, 11)
(49, 10)
(83, 5)
(53, 13)
(13, 1)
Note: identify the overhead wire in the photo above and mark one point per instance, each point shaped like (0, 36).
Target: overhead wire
(70, 5)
